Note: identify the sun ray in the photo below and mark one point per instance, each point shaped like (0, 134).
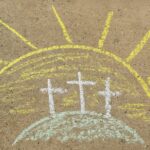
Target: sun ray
(106, 30)
(138, 47)
(62, 25)
(22, 38)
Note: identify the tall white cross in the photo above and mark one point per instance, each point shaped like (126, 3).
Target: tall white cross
(81, 90)
(108, 94)
(51, 91)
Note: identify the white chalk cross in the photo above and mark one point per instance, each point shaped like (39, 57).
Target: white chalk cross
(81, 90)
(52, 91)
(108, 94)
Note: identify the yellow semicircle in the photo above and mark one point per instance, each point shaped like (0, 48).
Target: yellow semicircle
(141, 81)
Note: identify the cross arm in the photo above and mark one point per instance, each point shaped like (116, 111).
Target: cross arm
(88, 83)
(44, 90)
(73, 82)
(60, 90)
(115, 93)
(101, 93)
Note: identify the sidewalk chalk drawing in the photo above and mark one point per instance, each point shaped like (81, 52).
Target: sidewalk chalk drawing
(95, 80)
(89, 125)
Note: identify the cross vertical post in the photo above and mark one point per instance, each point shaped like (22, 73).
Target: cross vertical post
(108, 94)
(81, 90)
(51, 99)
(50, 92)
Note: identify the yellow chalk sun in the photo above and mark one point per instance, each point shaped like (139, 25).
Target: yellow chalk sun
(71, 45)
